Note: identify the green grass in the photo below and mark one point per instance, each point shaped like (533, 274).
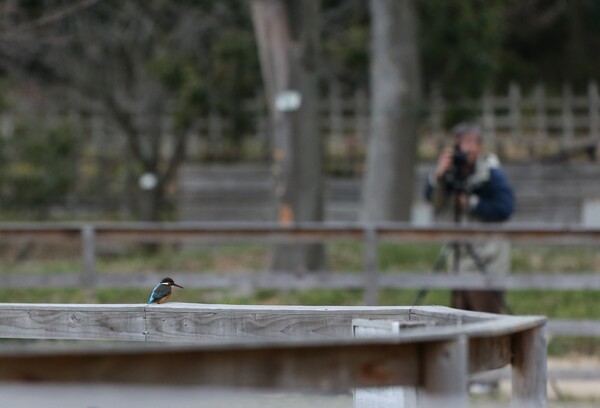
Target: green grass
(555, 259)
(344, 256)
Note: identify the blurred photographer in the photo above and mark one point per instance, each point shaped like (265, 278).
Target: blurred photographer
(472, 184)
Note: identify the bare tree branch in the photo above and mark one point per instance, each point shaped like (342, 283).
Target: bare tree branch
(50, 18)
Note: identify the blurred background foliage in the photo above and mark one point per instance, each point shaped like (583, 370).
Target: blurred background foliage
(193, 57)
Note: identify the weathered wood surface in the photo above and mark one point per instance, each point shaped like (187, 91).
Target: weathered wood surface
(529, 371)
(295, 347)
(445, 374)
(182, 322)
(582, 327)
(74, 322)
(189, 322)
(566, 374)
(328, 367)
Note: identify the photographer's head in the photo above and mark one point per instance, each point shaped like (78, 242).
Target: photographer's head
(467, 137)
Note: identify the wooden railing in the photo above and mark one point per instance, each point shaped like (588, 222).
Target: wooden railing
(281, 347)
(370, 281)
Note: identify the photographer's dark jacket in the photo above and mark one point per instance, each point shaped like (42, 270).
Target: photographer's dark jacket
(491, 197)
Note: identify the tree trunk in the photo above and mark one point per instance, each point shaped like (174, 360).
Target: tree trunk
(395, 103)
(287, 36)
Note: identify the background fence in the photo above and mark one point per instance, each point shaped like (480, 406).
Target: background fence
(520, 124)
(370, 281)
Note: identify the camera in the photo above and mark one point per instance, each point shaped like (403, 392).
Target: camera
(456, 178)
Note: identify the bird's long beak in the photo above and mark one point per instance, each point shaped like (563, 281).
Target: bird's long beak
(179, 286)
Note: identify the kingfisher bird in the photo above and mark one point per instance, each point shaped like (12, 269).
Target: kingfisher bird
(163, 291)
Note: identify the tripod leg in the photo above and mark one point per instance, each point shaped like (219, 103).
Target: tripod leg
(498, 296)
(481, 265)
(439, 262)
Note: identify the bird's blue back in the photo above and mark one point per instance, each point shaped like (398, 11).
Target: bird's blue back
(159, 292)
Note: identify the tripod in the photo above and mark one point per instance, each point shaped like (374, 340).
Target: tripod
(456, 248)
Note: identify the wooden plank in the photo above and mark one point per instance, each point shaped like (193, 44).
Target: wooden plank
(88, 238)
(72, 321)
(222, 322)
(529, 372)
(182, 322)
(445, 369)
(571, 281)
(567, 374)
(330, 367)
(371, 275)
(489, 353)
(251, 280)
(207, 323)
(581, 327)
(446, 315)
(331, 280)
(307, 321)
(473, 324)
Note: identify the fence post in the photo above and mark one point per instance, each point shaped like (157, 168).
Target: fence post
(445, 374)
(541, 120)
(361, 116)
(529, 370)
(215, 132)
(371, 263)
(594, 105)
(489, 119)
(336, 120)
(88, 237)
(436, 117)
(567, 116)
(514, 96)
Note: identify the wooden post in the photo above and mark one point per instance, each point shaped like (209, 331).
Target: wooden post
(361, 116)
(336, 119)
(489, 120)
(594, 115)
(88, 238)
(445, 373)
(215, 129)
(567, 117)
(529, 370)
(436, 101)
(371, 266)
(514, 96)
(541, 120)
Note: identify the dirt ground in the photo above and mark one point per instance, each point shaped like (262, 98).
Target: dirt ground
(579, 391)
(576, 389)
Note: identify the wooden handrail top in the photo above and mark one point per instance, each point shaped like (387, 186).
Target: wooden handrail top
(215, 324)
